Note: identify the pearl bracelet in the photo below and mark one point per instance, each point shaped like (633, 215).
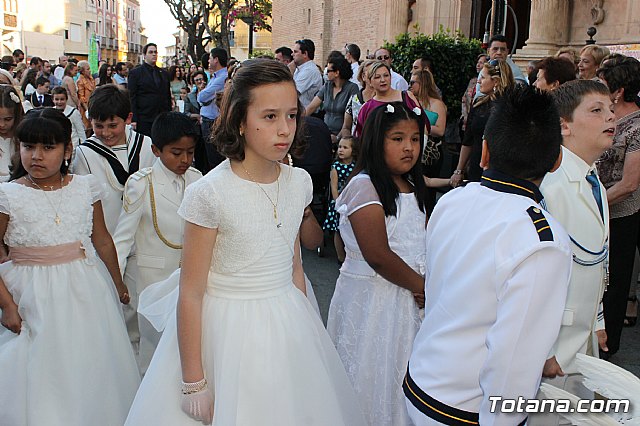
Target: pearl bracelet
(458, 172)
(189, 388)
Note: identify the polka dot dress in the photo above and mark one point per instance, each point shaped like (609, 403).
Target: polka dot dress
(344, 170)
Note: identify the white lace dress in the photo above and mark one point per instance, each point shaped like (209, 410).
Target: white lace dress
(265, 352)
(373, 322)
(72, 363)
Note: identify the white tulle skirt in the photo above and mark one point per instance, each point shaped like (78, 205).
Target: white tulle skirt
(373, 324)
(72, 363)
(265, 352)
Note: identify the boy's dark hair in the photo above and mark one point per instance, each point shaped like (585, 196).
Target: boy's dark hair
(568, 96)
(120, 66)
(286, 52)
(41, 81)
(60, 91)
(254, 73)
(307, 46)
(523, 133)
(371, 155)
(622, 72)
(557, 69)
(147, 46)
(221, 54)
(109, 101)
(35, 60)
(353, 50)
(17, 53)
(47, 126)
(341, 65)
(169, 127)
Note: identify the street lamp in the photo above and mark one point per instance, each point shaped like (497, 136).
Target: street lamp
(249, 20)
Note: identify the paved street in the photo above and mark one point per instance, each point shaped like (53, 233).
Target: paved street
(323, 272)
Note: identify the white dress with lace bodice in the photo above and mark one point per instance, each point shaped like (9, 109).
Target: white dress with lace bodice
(72, 362)
(373, 322)
(265, 352)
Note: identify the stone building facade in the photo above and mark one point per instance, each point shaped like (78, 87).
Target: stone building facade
(543, 26)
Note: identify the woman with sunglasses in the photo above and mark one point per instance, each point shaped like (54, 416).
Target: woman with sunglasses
(335, 94)
(495, 78)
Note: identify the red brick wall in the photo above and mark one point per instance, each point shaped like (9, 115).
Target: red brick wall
(331, 24)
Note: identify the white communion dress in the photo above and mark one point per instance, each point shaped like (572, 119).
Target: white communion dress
(71, 364)
(373, 322)
(265, 353)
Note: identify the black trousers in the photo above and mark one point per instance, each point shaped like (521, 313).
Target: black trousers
(624, 237)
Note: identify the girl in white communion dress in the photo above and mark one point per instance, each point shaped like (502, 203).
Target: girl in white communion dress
(245, 346)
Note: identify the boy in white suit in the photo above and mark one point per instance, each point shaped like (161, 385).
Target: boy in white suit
(149, 216)
(113, 153)
(576, 198)
(497, 272)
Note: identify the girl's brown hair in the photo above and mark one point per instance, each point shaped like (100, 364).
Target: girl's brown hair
(254, 73)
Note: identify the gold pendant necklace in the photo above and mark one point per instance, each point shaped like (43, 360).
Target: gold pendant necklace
(57, 219)
(275, 205)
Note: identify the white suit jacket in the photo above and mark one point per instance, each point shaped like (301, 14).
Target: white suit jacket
(155, 259)
(497, 272)
(569, 199)
(86, 161)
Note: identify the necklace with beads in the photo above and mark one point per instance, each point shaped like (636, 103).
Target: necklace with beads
(57, 219)
(275, 205)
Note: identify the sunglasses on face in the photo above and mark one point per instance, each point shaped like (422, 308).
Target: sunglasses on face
(330, 70)
(411, 83)
(198, 80)
(382, 57)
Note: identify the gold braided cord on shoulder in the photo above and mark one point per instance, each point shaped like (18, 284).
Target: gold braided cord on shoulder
(154, 216)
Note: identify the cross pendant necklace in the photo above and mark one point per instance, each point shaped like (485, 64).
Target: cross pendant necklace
(57, 219)
(275, 205)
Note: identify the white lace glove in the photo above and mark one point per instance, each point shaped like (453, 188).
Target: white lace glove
(199, 405)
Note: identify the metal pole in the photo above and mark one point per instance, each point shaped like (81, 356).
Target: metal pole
(251, 38)
(498, 11)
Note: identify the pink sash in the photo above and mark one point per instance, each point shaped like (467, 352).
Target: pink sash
(47, 256)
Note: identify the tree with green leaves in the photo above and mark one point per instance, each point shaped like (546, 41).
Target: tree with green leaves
(209, 21)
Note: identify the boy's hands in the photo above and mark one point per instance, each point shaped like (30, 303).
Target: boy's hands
(552, 368)
(123, 293)
(11, 319)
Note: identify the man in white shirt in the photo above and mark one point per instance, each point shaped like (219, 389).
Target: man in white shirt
(307, 76)
(62, 64)
(351, 53)
(397, 81)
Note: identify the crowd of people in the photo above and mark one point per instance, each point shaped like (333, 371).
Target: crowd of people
(153, 220)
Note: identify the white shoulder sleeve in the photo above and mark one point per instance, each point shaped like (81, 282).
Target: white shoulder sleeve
(358, 193)
(199, 205)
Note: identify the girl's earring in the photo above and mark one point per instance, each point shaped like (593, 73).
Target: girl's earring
(66, 162)
(241, 132)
